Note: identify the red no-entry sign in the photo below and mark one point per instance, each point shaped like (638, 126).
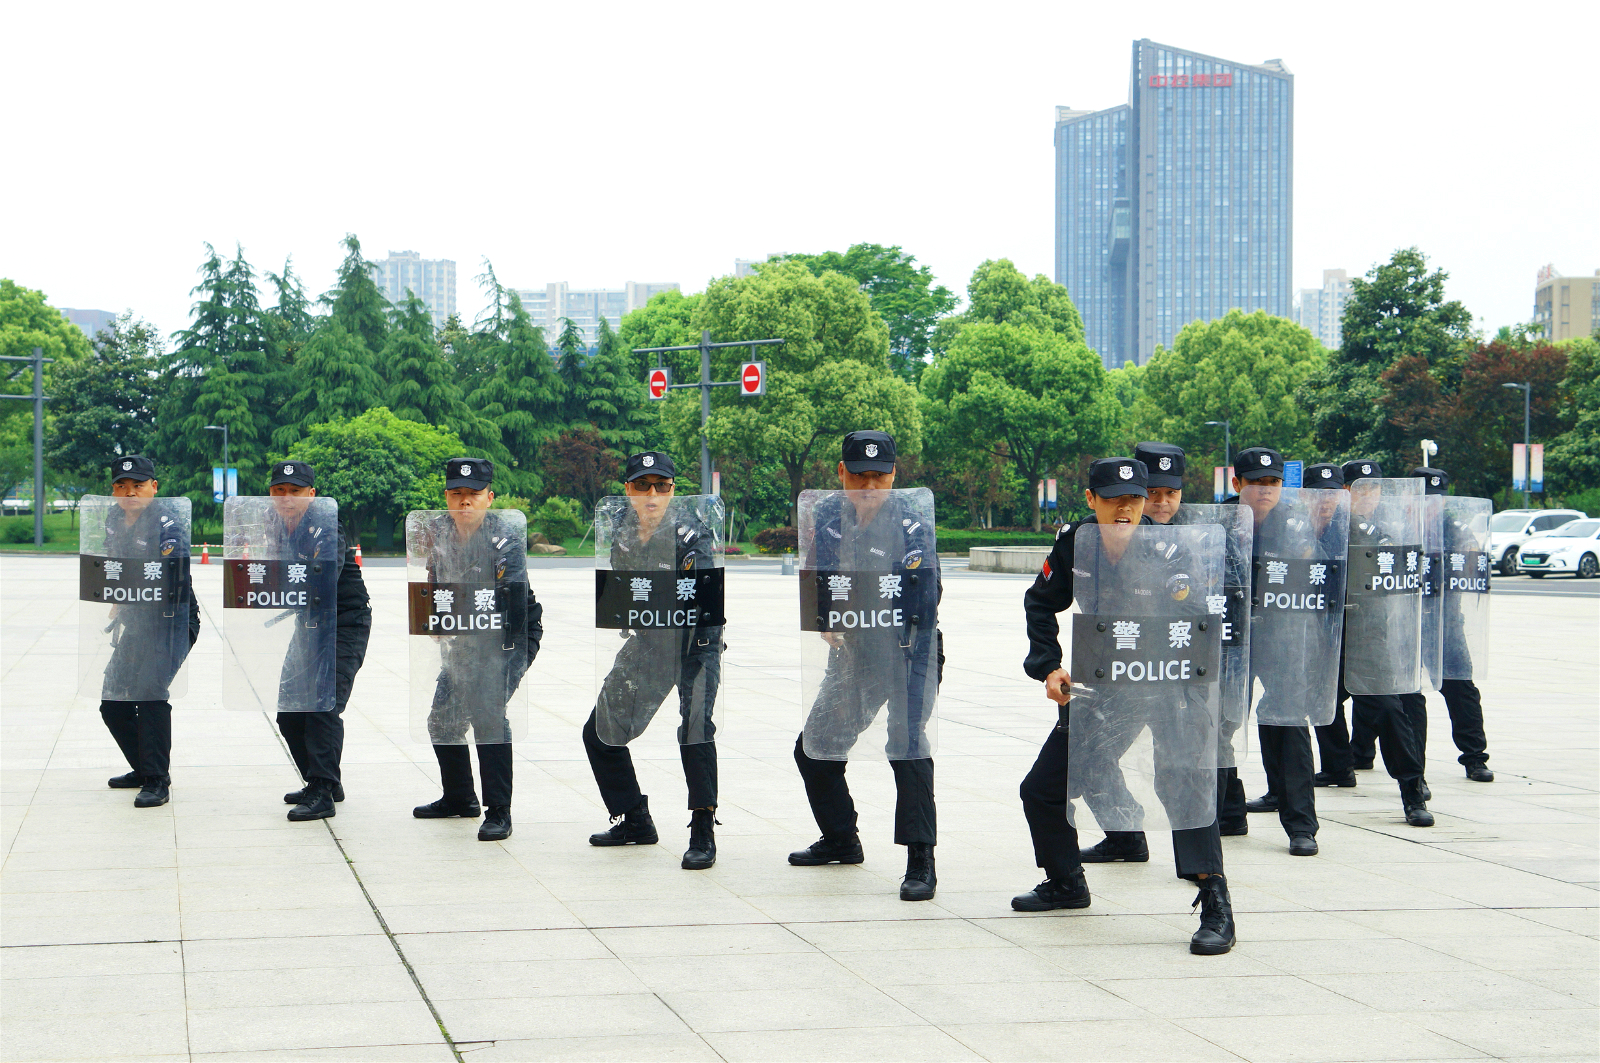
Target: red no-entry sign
(657, 381)
(753, 379)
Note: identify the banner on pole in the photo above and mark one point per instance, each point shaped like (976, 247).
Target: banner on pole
(1519, 467)
(1536, 468)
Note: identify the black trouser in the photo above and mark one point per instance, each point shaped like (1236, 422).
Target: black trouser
(1286, 756)
(1466, 720)
(915, 817)
(1386, 715)
(1230, 788)
(316, 742)
(494, 767)
(143, 731)
(1197, 851)
(619, 784)
(1364, 740)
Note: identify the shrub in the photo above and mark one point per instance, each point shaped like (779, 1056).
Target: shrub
(559, 519)
(18, 530)
(777, 540)
(1588, 501)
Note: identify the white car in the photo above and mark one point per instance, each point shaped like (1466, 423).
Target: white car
(1510, 528)
(1573, 548)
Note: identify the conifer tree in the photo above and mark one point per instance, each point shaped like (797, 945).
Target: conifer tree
(355, 301)
(333, 377)
(522, 395)
(422, 385)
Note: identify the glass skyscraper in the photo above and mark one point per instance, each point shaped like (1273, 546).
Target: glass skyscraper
(1177, 206)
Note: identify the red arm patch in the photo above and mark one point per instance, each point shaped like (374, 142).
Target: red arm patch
(1047, 568)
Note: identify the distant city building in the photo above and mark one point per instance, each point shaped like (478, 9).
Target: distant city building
(1566, 307)
(746, 267)
(433, 280)
(1178, 205)
(1320, 311)
(548, 305)
(90, 321)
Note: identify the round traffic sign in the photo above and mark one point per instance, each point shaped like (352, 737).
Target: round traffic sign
(750, 379)
(658, 383)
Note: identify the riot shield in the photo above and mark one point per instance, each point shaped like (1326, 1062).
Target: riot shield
(1297, 605)
(658, 615)
(133, 597)
(1238, 529)
(1146, 675)
(869, 614)
(280, 571)
(1383, 588)
(1467, 560)
(1431, 643)
(467, 607)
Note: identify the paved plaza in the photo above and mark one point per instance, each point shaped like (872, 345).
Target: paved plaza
(213, 929)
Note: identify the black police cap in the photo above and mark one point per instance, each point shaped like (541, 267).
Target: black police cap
(1361, 469)
(1254, 463)
(1434, 481)
(1324, 475)
(1111, 477)
(474, 473)
(298, 473)
(650, 463)
(1163, 463)
(868, 451)
(132, 467)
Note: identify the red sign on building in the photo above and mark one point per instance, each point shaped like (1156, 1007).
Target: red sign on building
(1191, 81)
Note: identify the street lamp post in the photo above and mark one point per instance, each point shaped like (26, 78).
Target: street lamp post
(1527, 439)
(1227, 450)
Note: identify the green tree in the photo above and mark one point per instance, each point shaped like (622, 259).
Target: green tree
(355, 303)
(27, 320)
(1572, 459)
(570, 368)
(104, 405)
(1001, 294)
(378, 466)
(1036, 398)
(667, 320)
(522, 394)
(1241, 368)
(829, 377)
(903, 293)
(421, 384)
(334, 378)
(291, 321)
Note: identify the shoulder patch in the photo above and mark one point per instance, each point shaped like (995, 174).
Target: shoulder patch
(1046, 570)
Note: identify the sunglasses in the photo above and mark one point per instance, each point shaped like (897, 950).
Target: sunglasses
(643, 487)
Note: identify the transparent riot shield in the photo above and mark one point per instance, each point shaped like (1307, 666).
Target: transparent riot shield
(1383, 587)
(869, 614)
(1297, 604)
(280, 571)
(1146, 675)
(1467, 560)
(658, 615)
(1238, 529)
(1431, 643)
(134, 597)
(467, 607)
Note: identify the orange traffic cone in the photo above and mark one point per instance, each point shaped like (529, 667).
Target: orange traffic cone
(358, 553)
(205, 553)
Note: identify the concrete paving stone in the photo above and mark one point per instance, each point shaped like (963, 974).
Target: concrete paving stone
(1085, 927)
(89, 928)
(1109, 1040)
(153, 1034)
(738, 939)
(298, 987)
(666, 913)
(1512, 953)
(57, 961)
(1170, 959)
(619, 1014)
(1381, 956)
(310, 1026)
(781, 970)
(1582, 920)
(955, 1003)
(890, 967)
(1532, 1035)
(300, 922)
(1327, 1038)
(110, 994)
(1444, 991)
(1289, 926)
(501, 946)
(914, 1044)
(1411, 924)
(899, 934)
(287, 953)
(687, 1047)
(525, 979)
(837, 1007)
(435, 918)
(1581, 985)
(88, 880)
(423, 1053)
(1200, 996)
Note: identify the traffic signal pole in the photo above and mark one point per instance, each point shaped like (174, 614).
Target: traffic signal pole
(38, 398)
(705, 384)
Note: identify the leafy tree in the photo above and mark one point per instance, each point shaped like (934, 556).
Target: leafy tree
(1000, 294)
(355, 303)
(421, 383)
(1127, 384)
(559, 519)
(1241, 368)
(28, 321)
(578, 464)
(104, 404)
(1036, 398)
(377, 465)
(829, 377)
(901, 291)
(1572, 459)
(667, 320)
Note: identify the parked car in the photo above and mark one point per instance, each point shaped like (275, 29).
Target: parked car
(1510, 528)
(1573, 548)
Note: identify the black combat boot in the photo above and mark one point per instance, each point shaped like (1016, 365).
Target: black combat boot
(1267, 802)
(131, 781)
(317, 803)
(1475, 772)
(1215, 935)
(1070, 892)
(155, 791)
(702, 852)
(1126, 845)
(826, 850)
(298, 797)
(631, 828)
(1427, 794)
(1414, 803)
(920, 881)
(444, 808)
(496, 824)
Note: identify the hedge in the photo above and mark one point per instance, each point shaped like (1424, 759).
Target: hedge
(962, 540)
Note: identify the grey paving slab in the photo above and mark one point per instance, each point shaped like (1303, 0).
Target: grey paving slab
(259, 941)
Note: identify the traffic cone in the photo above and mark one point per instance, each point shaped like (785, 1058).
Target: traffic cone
(358, 553)
(205, 553)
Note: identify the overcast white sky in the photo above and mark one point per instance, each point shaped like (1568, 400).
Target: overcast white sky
(603, 142)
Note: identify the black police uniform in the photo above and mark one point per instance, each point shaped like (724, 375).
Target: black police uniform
(150, 646)
(651, 663)
(316, 739)
(1385, 714)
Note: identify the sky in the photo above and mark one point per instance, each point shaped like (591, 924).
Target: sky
(601, 143)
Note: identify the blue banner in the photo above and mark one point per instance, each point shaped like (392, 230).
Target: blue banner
(1293, 473)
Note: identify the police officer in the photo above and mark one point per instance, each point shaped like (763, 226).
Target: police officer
(1385, 714)
(316, 739)
(1117, 495)
(147, 658)
(651, 663)
(854, 699)
(464, 548)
